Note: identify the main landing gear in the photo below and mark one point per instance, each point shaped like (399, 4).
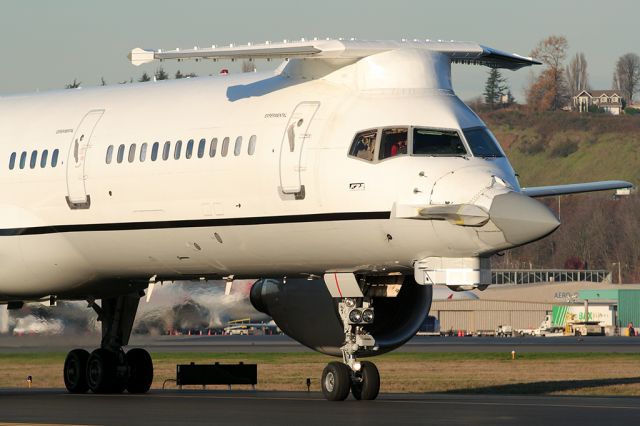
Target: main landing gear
(109, 369)
(361, 378)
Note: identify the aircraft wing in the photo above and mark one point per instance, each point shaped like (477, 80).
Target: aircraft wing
(459, 52)
(575, 188)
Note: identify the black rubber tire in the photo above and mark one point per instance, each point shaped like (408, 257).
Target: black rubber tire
(101, 372)
(75, 371)
(140, 371)
(369, 387)
(336, 381)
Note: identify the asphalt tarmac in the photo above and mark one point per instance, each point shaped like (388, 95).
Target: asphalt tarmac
(286, 408)
(158, 407)
(281, 343)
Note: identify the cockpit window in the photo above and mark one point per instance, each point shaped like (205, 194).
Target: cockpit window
(437, 142)
(364, 145)
(482, 142)
(393, 142)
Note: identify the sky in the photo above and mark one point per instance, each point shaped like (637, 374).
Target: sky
(46, 44)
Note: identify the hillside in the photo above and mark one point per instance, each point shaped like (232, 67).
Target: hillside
(598, 231)
(562, 147)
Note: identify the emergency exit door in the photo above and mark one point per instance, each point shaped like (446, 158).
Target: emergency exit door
(77, 197)
(293, 140)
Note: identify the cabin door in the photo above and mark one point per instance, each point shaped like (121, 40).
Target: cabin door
(77, 197)
(295, 135)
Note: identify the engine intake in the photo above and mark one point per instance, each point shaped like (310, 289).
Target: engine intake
(306, 312)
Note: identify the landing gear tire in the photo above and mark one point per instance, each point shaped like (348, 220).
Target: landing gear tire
(140, 371)
(336, 381)
(101, 372)
(75, 371)
(366, 385)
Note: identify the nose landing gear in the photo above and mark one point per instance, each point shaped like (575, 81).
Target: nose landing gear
(361, 378)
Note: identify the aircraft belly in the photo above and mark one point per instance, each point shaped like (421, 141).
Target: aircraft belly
(64, 261)
(41, 265)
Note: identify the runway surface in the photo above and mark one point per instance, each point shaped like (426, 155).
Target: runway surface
(271, 408)
(281, 343)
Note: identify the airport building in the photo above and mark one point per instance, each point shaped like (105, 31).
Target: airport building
(481, 316)
(626, 303)
(525, 306)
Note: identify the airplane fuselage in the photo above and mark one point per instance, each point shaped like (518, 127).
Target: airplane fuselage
(226, 215)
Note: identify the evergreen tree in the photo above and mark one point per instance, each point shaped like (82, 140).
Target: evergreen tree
(495, 88)
(145, 77)
(161, 74)
(180, 75)
(73, 85)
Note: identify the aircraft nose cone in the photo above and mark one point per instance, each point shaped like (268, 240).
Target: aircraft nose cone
(522, 219)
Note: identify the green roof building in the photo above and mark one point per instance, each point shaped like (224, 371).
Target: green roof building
(627, 301)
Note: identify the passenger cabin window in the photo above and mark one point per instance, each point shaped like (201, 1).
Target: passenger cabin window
(364, 145)
(143, 152)
(252, 145)
(393, 142)
(43, 159)
(201, 147)
(177, 150)
(12, 161)
(482, 142)
(154, 151)
(225, 147)
(166, 150)
(437, 142)
(34, 159)
(109, 156)
(23, 159)
(238, 147)
(120, 155)
(189, 151)
(213, 147)
(54, 158)
(132, 153)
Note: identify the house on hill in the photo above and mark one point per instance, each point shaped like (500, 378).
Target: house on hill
(609, 100)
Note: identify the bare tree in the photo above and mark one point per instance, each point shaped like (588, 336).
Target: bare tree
(549, 91)
(626, 77)
(577, 77)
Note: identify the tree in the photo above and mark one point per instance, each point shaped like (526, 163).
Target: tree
(161, 74)
(626, 77)
(495, 88)
(73, 85)
(180, 75)
(144, 77)
(577, 77)
(549, 90)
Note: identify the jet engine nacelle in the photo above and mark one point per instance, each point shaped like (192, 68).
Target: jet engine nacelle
(306, 312)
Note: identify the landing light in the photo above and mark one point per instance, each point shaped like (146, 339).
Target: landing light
(355, 316)
(367, 315)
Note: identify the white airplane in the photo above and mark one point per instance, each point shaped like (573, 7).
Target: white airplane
(351, 180)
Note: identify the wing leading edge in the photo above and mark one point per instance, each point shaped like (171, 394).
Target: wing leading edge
(459, 52)
(575, 188)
